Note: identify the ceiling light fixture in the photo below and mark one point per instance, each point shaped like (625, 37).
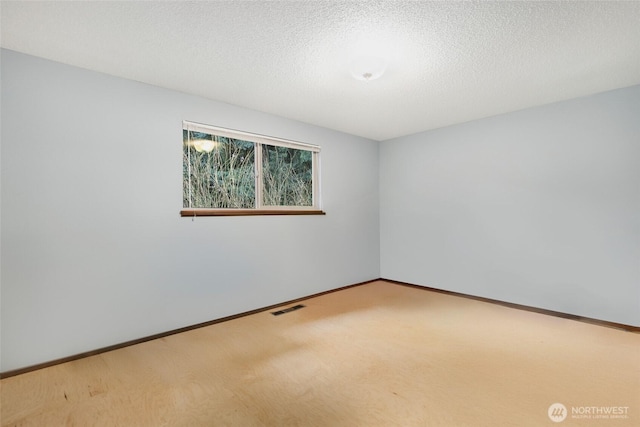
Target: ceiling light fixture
(367, 68)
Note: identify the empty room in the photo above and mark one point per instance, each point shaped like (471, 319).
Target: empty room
(320, 213)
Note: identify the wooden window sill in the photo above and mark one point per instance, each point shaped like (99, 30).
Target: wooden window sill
(247, 212)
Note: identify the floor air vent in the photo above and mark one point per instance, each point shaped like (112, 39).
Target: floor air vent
(287, 310)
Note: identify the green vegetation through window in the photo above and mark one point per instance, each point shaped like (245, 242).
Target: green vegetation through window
(225, 169)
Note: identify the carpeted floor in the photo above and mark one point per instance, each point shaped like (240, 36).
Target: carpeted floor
(380, 354)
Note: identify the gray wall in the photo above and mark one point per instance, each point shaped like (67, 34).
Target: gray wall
(94, 251)
(538, 207)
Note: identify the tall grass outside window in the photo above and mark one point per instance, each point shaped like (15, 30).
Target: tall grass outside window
(232, 171)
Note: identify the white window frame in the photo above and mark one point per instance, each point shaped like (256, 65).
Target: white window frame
(259, 141)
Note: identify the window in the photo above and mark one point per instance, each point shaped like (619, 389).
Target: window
(228, 172)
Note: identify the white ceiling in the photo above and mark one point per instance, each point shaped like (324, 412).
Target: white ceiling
(449, 62)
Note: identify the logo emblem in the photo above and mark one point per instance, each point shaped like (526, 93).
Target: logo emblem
(557, 412)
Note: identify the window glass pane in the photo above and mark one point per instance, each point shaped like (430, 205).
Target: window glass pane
(287, 176)
(218, 172)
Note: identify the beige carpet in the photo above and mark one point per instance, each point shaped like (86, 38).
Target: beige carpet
(379, 354)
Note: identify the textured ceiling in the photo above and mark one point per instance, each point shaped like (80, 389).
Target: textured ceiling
(449, 62)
